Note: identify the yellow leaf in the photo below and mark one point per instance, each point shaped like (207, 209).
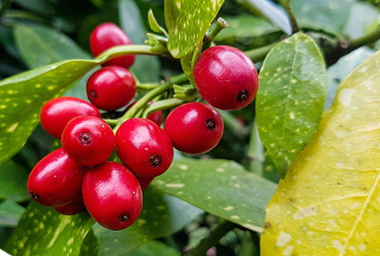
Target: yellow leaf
(329, 202)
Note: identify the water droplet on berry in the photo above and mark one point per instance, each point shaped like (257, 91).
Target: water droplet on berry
(155, 160)
(123, 217)
(242, 96)
(85, 138)
(210, 124)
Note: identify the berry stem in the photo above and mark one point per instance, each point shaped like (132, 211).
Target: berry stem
(118, 51)
(161, 105)
(255, 155)
(147, 86)
(141, 103)
(219, 26)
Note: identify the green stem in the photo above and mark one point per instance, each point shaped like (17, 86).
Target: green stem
(161, 105)
(118, 51)
(219, 26)
(255, 155)
(147, 87)
(368, 38)
(258, 54)
(289, 10)
(215, 235)
(141, 103)
(232, 124)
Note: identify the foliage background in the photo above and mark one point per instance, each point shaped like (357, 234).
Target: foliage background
(37, 33)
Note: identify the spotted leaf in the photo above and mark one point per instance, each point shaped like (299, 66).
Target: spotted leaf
(43, 231)
(329, 202)
(23, 95)
(220, 187)
(187, 22)
(162, 215)
(290, 100)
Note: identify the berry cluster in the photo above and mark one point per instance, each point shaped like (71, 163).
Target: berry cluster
(104, 168)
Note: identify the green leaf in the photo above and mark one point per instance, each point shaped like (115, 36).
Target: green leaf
(13, 179)
(90, 245)
(157, 28)
(23, 95)
(329, 202)
(290, 100)
(45, 45)
(43, 231)
(244, 26)
(270, 11)
(162, 215)
(329, 16)
(220, 187)
(154, 248)
(10, 213)
(187, 22)
(132, 22)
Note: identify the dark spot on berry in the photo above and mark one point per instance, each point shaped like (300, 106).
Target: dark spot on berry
(35, 196)
(85, 138)
(94, 95)
(242, 96)
(210, 124)
(155, 161)
(123, 217)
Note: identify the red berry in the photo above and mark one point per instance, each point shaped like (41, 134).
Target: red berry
(144, 181)
(111, 88)
(88, 140)
(226, 77)
(55, 180)
(56, 113)
(74, 207)
(112, 195)
(106, 36)
(155, 116)
(144, 147)
(194, 128)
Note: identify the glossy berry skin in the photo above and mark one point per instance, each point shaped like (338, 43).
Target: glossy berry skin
(112, 195)
(56, 179)
(155, 116)
(88, 140)
(226, 77)
(144, 147)
(194, 128)
(111, 88)
(74, 207)
(56, 113)
(106, 36)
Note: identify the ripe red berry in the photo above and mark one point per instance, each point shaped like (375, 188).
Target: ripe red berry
(106, 36)
(144, 147)
(144, 181)
(74, 207)
(56, 113)
(112, 195)
(155, 116)
(56, 179)
(194, 128)
(111, 88)
(88, 140)
(226, 77)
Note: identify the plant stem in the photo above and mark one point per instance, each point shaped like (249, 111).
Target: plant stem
(141, 103)
(258, 54)
(255, 155)
(161, 105)
(118, 51)
(215, 235)
(219, 26)
(289, 10)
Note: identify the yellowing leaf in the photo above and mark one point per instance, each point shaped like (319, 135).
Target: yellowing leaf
(329, 202)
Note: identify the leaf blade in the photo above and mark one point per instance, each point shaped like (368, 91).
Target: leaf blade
(335, 215)
(289, 103)
(187, 22)
(220, 187)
